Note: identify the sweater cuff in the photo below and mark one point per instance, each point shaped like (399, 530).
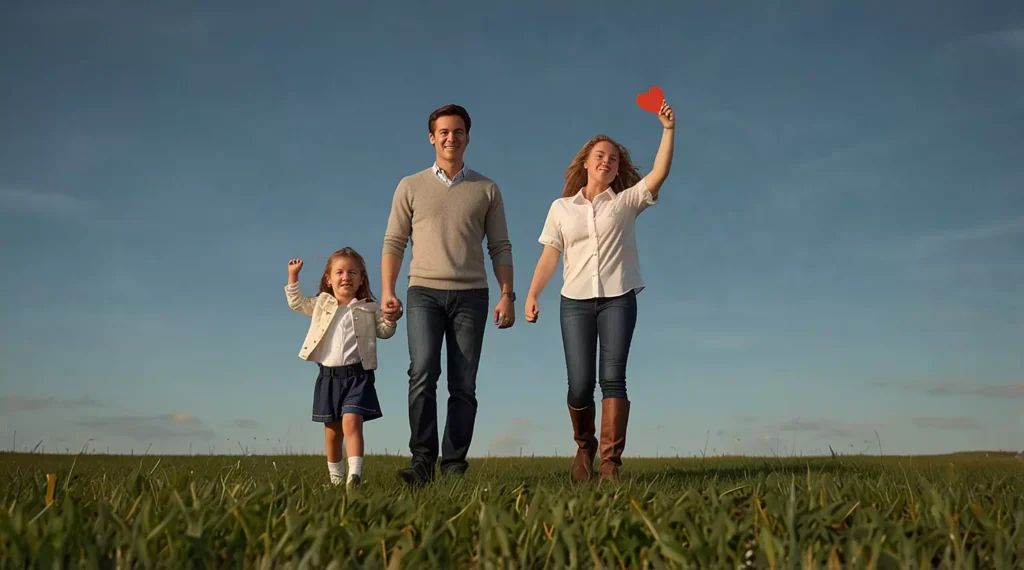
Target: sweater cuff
(395, 246)
(503, 258)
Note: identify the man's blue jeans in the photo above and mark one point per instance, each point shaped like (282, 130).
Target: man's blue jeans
(459, 318)
(607, 324)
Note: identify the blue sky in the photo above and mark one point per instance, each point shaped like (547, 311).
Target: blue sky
(837, 252)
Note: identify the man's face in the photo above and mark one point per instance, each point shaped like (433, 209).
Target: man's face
(450, 138)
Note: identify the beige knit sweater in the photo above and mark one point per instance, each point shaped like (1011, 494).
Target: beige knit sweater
(447, 227)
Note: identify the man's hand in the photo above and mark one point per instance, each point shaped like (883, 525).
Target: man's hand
(505, 313)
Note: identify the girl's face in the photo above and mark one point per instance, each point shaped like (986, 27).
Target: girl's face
(344, 278)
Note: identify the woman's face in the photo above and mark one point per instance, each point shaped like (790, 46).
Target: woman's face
(602, 163)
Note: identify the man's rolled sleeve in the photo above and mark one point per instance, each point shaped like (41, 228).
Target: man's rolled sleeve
(499, 246)
(396, 236)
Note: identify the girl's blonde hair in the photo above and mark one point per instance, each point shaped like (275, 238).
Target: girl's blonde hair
(576, 174)
(363, 293)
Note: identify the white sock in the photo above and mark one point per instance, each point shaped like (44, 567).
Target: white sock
(355, 467)
(337, 471)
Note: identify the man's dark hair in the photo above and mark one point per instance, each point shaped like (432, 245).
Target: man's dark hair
(449, 110)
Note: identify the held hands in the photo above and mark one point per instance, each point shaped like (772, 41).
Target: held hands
(391, 307)
(667, 116)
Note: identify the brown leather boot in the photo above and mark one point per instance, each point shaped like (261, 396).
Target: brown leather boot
(583, 432)
(614, 418)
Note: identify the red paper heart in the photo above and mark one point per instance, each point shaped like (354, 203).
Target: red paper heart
(651, 101)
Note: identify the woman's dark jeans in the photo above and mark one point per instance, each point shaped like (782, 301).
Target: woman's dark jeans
(610, 320)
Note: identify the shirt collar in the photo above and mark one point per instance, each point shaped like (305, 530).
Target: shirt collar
(579, 198)
(459, 176)
(355, 300)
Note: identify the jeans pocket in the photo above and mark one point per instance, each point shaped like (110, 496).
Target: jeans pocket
(416, 297)
(477, 297)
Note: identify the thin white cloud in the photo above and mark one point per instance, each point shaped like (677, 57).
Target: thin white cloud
(9, 404)
(758, 445)
(84, 213)
(758, 434)
(507, 444)
(992, 229)
(806, 425)
(1010, 40)
(26, 201)
(176, 425)
(943, 422)
(1002, 391)
(514, 440)
(828, 427)
(1012, 390)
(925, 251)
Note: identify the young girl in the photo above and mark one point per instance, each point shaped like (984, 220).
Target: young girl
(342, 340)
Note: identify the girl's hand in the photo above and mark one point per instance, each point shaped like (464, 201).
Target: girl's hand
(666, 116)
(294, 266)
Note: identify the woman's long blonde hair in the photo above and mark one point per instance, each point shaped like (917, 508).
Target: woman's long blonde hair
(576, 174)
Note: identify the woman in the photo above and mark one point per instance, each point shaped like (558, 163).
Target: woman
(593, 226)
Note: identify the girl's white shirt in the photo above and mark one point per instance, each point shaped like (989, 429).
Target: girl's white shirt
(339, 346)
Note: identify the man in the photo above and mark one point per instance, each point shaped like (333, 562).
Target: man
(446, 210)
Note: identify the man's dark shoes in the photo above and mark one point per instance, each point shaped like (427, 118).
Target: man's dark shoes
(418, 473)
(453, 471)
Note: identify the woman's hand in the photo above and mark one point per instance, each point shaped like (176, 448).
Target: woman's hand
(532, 310)
(666, 116)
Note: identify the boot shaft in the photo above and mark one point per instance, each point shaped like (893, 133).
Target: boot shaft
(584, 428)
(614, 419)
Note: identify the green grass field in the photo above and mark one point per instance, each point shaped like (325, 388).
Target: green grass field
(959, 511)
